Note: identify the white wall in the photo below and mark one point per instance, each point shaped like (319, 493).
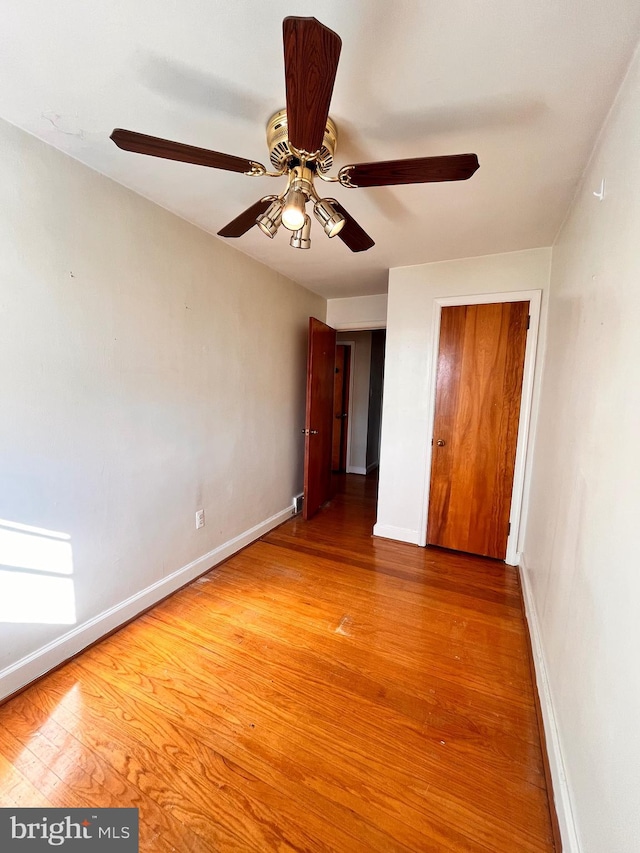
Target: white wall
(147, 370)
(359, 403)
(581, 549)
(358, 312)
(408, 369)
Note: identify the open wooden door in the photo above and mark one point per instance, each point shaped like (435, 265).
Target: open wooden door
(319, 416)
(478, 392)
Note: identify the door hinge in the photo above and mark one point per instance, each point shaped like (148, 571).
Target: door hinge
(509, 529)
(529, 321)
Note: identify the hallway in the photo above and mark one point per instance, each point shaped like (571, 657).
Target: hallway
(322, 690)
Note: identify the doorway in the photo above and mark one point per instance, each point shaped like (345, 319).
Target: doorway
(364, 412)
(454, 469)
(478, 386)
(341, 399)
(343, 411)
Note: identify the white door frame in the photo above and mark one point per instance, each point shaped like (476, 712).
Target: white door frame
(534, 297)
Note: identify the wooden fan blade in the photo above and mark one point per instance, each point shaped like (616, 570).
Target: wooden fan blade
(351, 234)
(129, 140)
(311, 54)
(420, 170)
(247, 219)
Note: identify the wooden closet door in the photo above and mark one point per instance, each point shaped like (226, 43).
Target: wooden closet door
(478, 393)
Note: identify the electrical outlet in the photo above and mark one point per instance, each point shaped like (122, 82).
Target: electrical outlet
(199, 519)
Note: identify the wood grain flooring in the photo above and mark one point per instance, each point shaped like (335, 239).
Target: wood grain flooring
(322, 690)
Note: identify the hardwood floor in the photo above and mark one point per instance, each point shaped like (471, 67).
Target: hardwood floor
(320, 691)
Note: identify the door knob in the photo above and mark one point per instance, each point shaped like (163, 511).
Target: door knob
(440, 442)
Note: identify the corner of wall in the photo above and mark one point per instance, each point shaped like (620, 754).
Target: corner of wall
(561, 792)
(400, 534)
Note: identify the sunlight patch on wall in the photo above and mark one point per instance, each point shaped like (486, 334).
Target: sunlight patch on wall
(34, 548)
(35, 575)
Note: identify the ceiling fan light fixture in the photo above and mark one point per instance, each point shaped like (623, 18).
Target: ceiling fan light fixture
(328, 217)
(301, 239)
(270, 220)
(301, 139)
(293, 215)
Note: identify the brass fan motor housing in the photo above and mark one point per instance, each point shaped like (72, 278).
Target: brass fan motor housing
(280, 152)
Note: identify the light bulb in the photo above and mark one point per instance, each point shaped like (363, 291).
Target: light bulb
(293, 214)
(270, 220)
(331, 220)
(302, 238)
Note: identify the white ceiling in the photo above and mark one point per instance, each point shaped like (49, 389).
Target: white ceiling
(523, 83)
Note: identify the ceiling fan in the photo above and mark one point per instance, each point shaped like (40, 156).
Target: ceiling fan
(302, 142)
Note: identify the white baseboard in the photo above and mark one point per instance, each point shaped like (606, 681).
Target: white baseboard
(401, 534)
(36, 664)
(561, 794)
(356, 469)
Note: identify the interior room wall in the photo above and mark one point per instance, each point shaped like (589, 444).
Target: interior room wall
(408, 370)
(358, 312)
(359, 406)
(581, 550)
(148, 371)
